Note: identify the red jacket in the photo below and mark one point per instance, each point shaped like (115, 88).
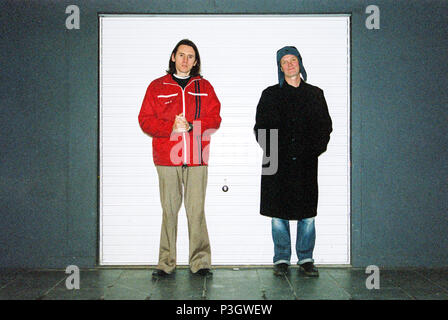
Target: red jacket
(164, 99)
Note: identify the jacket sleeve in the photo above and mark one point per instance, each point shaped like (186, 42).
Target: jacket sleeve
(320, 125)
(267, 116)
(212, 119)
(148, 119)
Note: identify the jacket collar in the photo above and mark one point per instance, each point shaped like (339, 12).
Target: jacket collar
(169, 79)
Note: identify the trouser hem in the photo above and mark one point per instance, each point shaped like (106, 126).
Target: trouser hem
(305, 261)
(194, 270)
(282, 261)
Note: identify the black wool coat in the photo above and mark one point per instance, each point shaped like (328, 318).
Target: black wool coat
(304, 126)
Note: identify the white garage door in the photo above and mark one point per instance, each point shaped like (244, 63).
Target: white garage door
(238, 58)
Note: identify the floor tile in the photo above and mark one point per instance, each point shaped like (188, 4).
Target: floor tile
(410, 280)
(182, 285)
(96, 278)
(31, 285)
(275, 287)
(241, 284)
(427, 294)
(75, 294)
(380, 294)
(8, 275)
(316, 288)
(251, 283)
(438, 276)
(355, 279)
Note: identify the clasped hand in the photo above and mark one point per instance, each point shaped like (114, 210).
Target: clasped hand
(180, 124)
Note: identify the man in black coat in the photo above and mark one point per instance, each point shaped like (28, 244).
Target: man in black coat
(293, 127)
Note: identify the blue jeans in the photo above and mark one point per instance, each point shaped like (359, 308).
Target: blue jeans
(306, 237)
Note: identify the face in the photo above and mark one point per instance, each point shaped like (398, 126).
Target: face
(185, 60)
(289, 64)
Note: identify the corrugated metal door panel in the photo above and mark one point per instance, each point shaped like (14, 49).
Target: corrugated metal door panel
(238, 58)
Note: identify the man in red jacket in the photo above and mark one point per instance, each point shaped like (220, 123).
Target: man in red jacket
(180, 111)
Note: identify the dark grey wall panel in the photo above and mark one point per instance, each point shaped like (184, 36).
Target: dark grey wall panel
(49, 123)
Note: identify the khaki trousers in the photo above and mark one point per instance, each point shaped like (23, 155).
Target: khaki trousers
(194, 183)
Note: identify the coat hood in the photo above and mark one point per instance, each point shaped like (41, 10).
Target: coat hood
(284, 51)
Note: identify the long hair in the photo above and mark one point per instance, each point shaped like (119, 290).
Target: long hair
(196, 70)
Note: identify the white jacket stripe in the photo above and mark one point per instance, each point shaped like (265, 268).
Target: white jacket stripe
(167, 96)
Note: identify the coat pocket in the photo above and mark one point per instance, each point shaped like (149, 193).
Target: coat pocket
(167, 98)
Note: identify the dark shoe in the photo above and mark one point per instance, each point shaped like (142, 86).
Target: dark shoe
(309, 269)
(160, 274)
(204, 272)
(280, 269)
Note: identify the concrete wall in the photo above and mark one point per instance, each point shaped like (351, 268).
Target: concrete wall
(49, 127)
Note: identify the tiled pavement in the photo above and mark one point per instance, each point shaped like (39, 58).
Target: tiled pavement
(244, 283)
